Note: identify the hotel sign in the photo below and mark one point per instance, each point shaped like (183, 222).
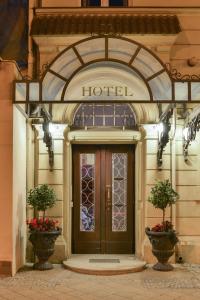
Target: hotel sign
(107, 91)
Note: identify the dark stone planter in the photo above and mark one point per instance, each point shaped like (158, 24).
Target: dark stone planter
(162, 248)
(43, 246)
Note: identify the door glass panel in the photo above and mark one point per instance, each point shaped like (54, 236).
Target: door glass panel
(87, 192)
(119, 191)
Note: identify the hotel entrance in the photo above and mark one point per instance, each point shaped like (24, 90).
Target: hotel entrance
(103, 199)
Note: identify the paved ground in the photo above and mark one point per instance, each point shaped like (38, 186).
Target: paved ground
(181, 284)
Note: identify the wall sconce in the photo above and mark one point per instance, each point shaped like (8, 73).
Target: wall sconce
(47, 139)
(163, 134)
(189, 133)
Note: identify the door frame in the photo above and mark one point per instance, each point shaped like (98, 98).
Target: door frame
(103, 239)
(105, 137)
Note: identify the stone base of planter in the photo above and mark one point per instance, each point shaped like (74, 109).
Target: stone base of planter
(43, 266)
(163, 267)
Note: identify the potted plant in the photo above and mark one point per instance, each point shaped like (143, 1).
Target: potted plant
(162, 236)
(43, 231)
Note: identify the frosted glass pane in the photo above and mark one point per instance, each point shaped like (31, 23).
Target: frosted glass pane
(195, 91)
(52, 87)
(146, 63)
(121, 50)
(20, 91)
(181, 91)
(34, 91)
(66, 64)
(87, 192)
(92, 83)
(119, 191)
(91, 50)
(161, 87)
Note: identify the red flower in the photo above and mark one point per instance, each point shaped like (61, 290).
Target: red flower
(41, 224)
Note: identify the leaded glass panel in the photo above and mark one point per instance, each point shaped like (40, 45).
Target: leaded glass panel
(146, 63)
(101, 115)
(87, 192)
(161, 87)
(34, 91)
(119, 192)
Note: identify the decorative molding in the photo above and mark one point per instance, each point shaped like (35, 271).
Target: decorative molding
(89, 136)
(176, 75)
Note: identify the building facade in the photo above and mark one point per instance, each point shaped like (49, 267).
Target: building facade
(117, 85)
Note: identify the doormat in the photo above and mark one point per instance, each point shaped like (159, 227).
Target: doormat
(104, 260)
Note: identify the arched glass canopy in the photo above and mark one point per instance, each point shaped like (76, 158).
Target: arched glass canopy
(108, 59)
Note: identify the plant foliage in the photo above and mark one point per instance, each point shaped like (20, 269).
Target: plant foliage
(163, 195)
(41, 198)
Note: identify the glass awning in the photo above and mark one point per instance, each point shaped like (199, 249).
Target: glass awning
(107, 69)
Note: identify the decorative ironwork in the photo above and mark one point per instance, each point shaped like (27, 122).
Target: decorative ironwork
(163, 137)
(176, 75)
(87, 192)
(44, 68)
(189, 133)
(119, 192)
(47, 139)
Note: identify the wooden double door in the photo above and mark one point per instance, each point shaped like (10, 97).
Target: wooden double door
(103, 199)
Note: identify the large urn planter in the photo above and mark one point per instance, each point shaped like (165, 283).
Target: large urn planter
(163, 244)
(43, 231)
(43, 246)
(162, 236)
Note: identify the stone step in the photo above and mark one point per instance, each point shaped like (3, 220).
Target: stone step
(104, 264)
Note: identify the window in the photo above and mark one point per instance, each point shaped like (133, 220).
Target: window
(91, 3)
(117, 3)
(105, 3)
(104, 115)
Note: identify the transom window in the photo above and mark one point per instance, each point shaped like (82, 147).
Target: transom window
(104, 115)
(105, 3)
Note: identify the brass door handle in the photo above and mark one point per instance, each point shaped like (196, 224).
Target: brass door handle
(108, 192)
(108, 197)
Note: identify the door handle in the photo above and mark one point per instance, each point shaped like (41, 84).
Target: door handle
(108, 192)
(108, 197)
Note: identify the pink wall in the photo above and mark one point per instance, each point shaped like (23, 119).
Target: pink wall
(8, 72)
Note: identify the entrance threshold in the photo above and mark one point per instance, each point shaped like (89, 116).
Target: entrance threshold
(104, 264)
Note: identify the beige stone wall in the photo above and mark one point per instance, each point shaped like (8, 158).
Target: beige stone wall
(19, 189)
(187, 44)
(55, 179)
(186, 212)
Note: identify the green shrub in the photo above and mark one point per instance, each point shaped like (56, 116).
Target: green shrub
(163, 195)
(41, 198)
